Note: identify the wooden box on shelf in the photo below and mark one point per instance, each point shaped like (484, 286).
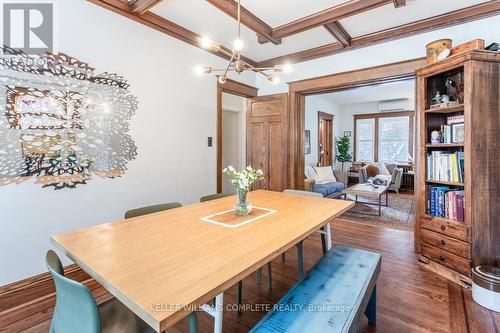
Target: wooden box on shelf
(454, 234)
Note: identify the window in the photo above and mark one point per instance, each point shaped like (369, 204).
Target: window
(365, 140)
(393, 133)
(383, 137)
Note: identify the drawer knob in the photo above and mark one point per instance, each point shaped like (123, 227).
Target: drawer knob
(443, 242)
(443, 227)
(441, 258)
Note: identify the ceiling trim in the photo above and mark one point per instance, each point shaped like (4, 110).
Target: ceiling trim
(338, 31)
(251, 21)
(142, 6)
(457, 17)
(323, 17)
(163, 25)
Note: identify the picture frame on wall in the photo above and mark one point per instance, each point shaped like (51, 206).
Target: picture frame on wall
(347, 133)
(307, 142)
(457, 133)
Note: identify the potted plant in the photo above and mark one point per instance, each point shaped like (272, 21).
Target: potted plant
(242, 182)
(343, 147)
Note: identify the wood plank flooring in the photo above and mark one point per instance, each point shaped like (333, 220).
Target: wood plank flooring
(410, 298)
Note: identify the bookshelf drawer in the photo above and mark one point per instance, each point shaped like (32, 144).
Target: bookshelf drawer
(446, 227)
(446, 258)
(446, 243)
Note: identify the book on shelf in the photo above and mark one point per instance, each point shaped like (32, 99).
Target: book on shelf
(446, 203)
(445, 129)
(445, 166)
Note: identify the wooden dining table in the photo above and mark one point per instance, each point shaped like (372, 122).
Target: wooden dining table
(164, 265)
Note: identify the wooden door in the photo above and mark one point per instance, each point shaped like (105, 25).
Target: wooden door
(267, 128)
(325, 139)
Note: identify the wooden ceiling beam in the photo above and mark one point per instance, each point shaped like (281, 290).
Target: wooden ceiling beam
(338, 31)
(165, 26)
(142, 6)
(331, 14)
(248, 19)
(460, 16)
(399, 3)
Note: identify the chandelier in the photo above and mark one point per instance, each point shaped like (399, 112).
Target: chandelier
(236, 64)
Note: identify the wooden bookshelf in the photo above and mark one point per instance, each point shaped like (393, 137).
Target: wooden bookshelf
(478, 73)
(440, 182)
(449, 109)
(445, 145)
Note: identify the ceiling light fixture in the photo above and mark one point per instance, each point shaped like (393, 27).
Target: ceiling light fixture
(236, 64)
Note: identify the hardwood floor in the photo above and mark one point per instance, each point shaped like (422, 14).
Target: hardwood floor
(410, 298)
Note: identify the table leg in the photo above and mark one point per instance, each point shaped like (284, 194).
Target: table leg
(379, 205)
(328, 236)
(216, 311)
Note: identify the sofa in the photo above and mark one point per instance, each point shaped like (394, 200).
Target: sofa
(388, 172)
(330, 189)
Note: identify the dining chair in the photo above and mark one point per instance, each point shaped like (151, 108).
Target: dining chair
(192, 318)
(239, 289)
(299, 245)
(151, 209)
(77, 311)
(214, 196)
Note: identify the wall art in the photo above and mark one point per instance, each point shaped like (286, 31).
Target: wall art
(61, 123)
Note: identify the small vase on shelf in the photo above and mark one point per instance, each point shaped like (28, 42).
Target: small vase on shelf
(242, 182)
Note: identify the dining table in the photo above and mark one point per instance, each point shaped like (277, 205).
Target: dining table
(164, 265)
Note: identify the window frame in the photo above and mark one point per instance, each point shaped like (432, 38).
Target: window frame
(376, 117)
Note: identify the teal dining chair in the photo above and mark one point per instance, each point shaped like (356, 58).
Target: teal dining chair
(300, 254)
(214, 197)
(193, 321)
(77, 312)
(151, 209)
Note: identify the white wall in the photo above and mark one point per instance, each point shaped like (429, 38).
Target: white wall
(313, 105)
(398, 50)
(177, 112)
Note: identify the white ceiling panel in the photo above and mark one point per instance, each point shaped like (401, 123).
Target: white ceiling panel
(388, 17)
(279, 12)
(204, 19)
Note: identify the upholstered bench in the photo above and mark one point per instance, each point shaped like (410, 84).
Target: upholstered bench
(331, 297)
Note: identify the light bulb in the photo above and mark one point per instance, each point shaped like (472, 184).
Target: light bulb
(238, 45)
(286, 68)
(274, 79)
(206, 42)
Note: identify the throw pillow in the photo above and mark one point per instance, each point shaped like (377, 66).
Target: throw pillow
(324, 175)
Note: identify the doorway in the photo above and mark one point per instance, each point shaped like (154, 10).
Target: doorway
(325, 139)
(233, 136)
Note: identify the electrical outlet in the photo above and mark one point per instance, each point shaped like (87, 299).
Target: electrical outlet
(210, 141)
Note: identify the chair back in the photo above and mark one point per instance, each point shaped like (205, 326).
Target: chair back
(214, 197)
(76, 310)
(151, 209)
(309, 172)
(304, 193)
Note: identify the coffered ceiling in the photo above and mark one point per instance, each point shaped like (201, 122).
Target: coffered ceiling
(280, 31)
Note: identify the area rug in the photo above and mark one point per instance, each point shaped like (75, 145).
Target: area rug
(398, 215)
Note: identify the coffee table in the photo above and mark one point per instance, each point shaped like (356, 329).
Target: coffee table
(371, 192)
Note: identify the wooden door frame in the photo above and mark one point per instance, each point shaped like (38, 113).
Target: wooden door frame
(235, 88)
(298, 90)
(325, 116)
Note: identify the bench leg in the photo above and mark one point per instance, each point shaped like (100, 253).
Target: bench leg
(300, 258)
(328, 230)
(371, 308)
(259, 276)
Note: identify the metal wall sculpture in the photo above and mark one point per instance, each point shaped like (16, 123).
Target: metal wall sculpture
(61, 123)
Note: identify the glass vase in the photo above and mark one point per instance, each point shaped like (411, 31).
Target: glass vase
(243, 206)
